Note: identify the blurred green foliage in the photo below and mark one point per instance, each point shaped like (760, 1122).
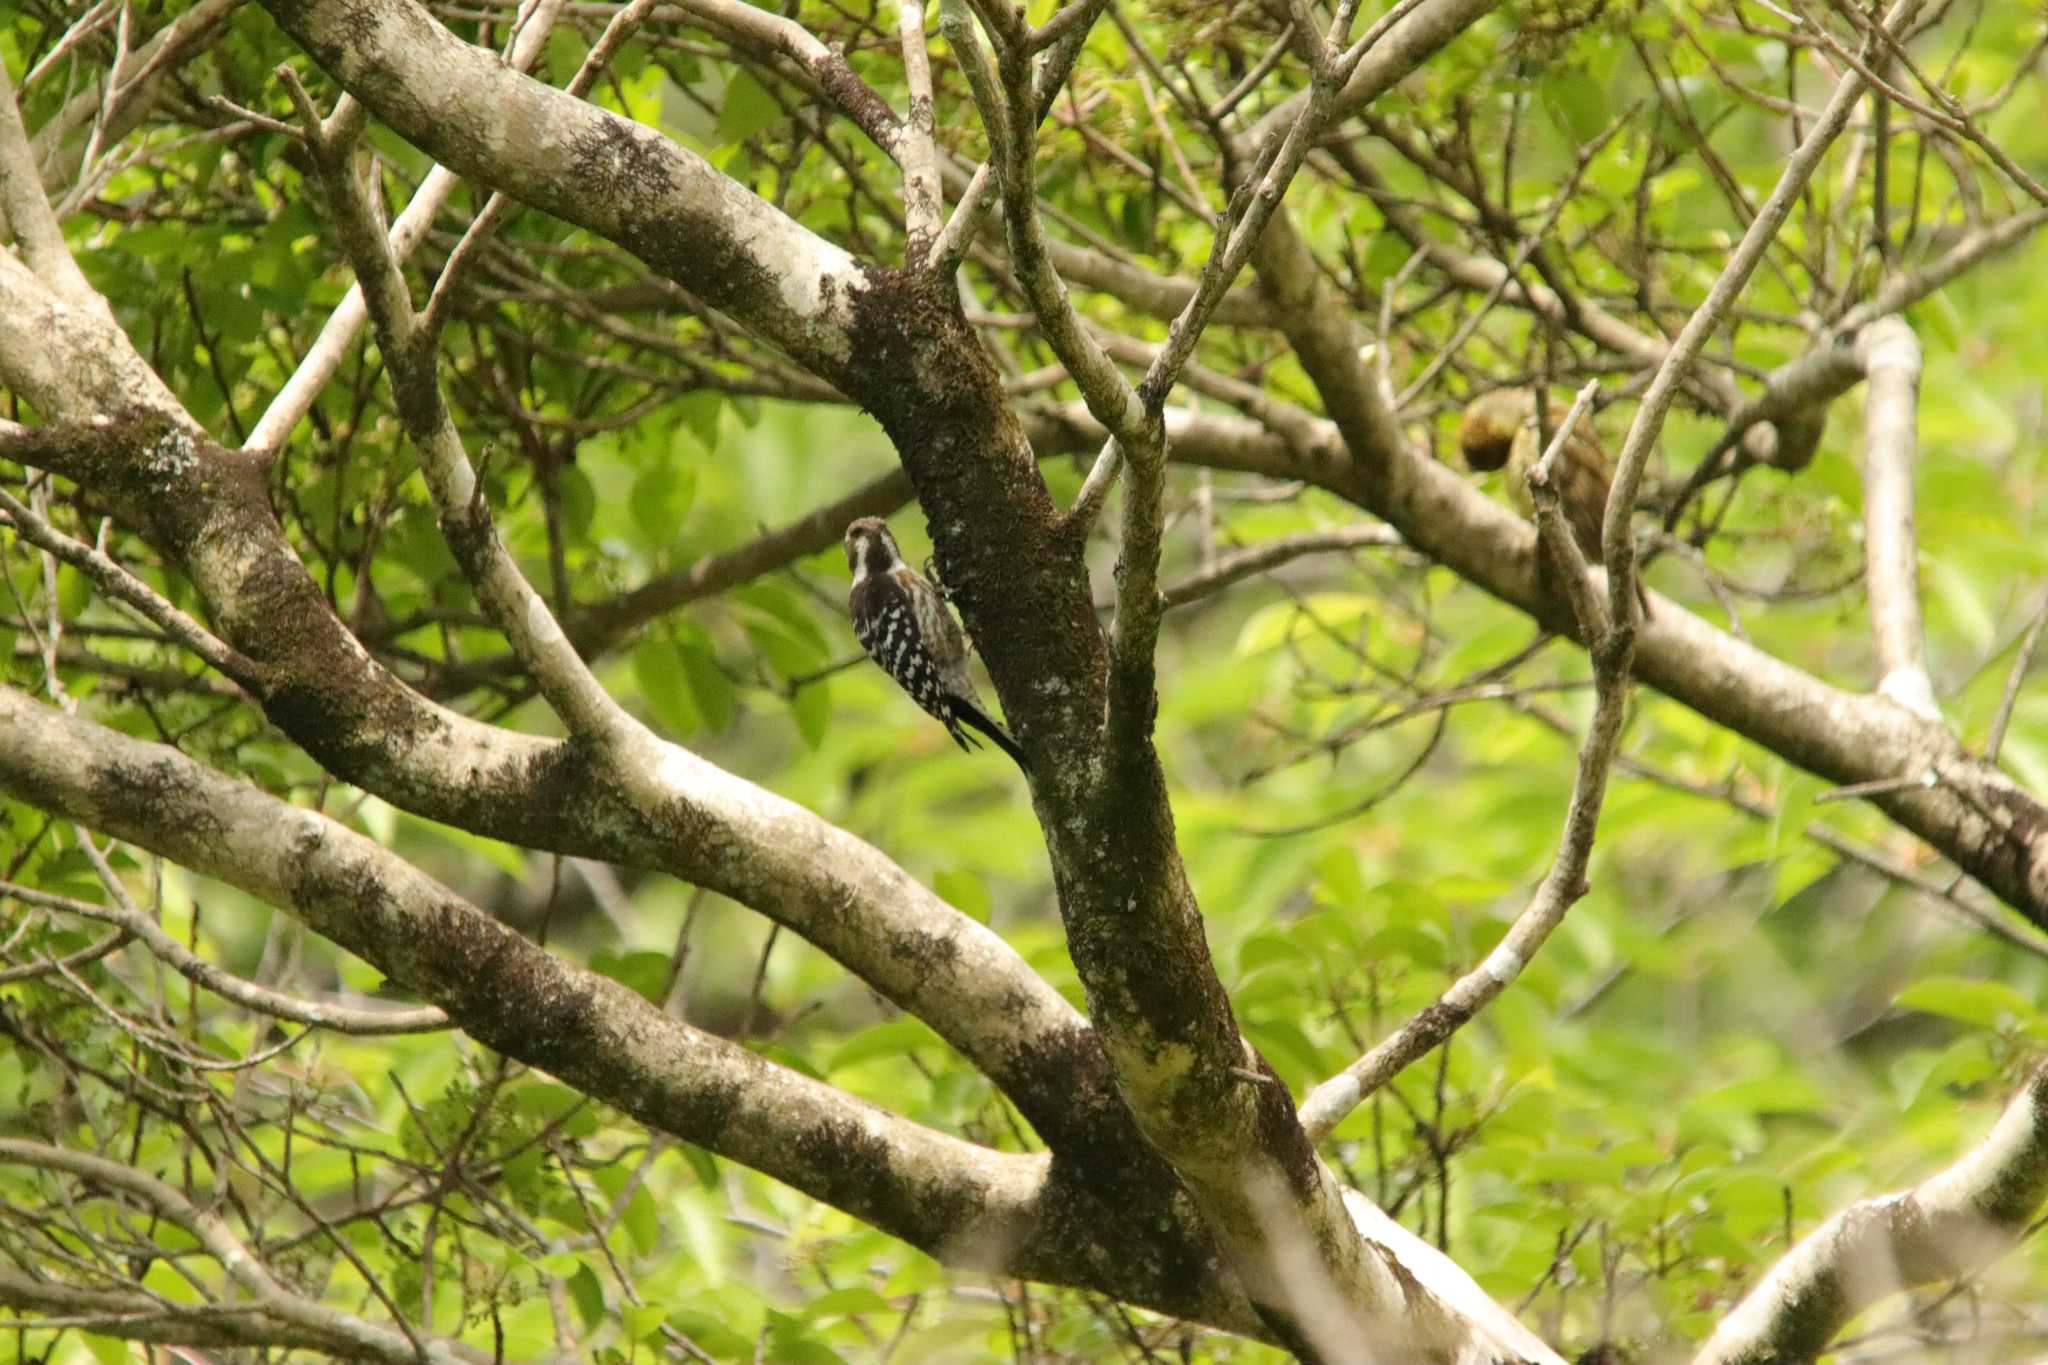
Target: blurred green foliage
(1734, 1034)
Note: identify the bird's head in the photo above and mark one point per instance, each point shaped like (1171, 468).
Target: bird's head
(870, 549)
(1487, 434)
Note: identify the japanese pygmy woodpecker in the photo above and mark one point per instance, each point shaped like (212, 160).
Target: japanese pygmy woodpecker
(906, 627)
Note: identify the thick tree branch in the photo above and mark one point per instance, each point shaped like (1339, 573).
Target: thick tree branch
(542, 146)
(1944, 1228)
(209, 507)
(973, 1205)
(1017, 1215)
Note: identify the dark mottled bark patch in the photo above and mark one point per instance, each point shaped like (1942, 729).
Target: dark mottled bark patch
(619, 160)
(848, 92)
(1286, 1329)
(499, 988)
(354, 25)
(1139, 1238)
(705, 1116)
(925, 953)
(843, 1157)
(1281, 1136)
(137, 796)
(1110, 1197)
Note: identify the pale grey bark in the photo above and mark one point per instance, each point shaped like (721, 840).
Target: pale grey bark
(1318, 1272)
(698, 822)
(936, 1191)
(1890, 355)
(1946, 1227)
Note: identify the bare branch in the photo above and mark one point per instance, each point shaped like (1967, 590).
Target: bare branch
(923, 210)
(59, 152)
(435, 316)
(340, 1018)
(1617, 542)
(25, 211)
(1944, 1228)
(409, 355)
(1890, 356)
(2022, 661)
(1008, 105)
(1555, 532)
(1257, 559)
(825, 65)
(131, 1314)
(296, 398)
(1565, 882)
(974, 204)
(1831, 368)
(241, 1266)
(1139, 608)
(23, 443)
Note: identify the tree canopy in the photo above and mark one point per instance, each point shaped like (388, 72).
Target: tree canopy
(465, 894)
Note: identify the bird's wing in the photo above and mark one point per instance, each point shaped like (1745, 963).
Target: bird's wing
(942, 636)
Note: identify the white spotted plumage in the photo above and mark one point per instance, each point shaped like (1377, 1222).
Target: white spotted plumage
(905, 626)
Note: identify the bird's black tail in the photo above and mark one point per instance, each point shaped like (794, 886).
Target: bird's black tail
(982, 721)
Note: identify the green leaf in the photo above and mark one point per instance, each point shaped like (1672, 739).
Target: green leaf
(893, 1038)
(702, 1164)
(641, 972)
(642, 1222)
(746, 109)
(1284, 622)
(1267, 948)
(579, 502)
(788, 610)
(661, 499)
(710, 688)
(642, 1320)
(588, 1295)
(162, 1280)
(811, 708)
(1987, 1004)
(790, 655)
(847, 1302)
(1387, 254)
(700, 412)
(107, 1350)
(966, 891)
(665, 685)
(712, 1335)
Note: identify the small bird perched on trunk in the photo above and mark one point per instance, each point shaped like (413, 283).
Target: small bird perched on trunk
(1499, 429)
(905, 626)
